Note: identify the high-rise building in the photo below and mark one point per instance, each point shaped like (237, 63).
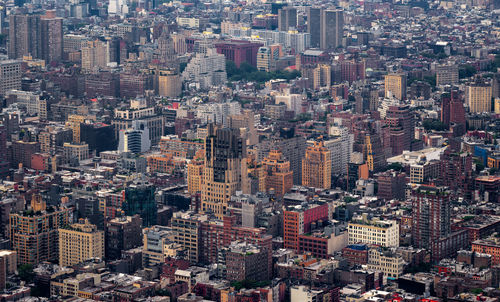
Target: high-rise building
(401, 121)
(225, 169)
(431, 222)
(195, 176)
(239, 51)
(245, 261)
(24, 36)
(136, 139)
(95, 54)
(169, 83)
(52, 39)
(8, 266)
(80, 242)
(314, 25)
(447, 74)
(206, 69)
(22, 152)
(10, 76)
(34, 233)
(140, 199)
(278, 175)
(158, 244)
(287, 18)
(317, 167)
(187, 228)
(478, 97)
(341, 146)
(122, 233)
(331, 28)
(395, 85)
(374, 231)
(373, 152)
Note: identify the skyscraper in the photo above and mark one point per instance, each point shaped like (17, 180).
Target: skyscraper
(80, 242)
(34, 233)
(140, 199)
(287, 18)
(478, 97)
(52, 39)
(122, 233)
(331, 28)
(317, 167)
(225, 169)
(314, 25)
(402, 128)
(24, 36)
(395, 85)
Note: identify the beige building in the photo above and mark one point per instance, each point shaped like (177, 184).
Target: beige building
(158, 244)
(78, 151)
(169, 83)
(317, 167)
(195, 176)
(95, 54)
(395, 85)
(80, 242)
(10, 76)
(187, 228)
(386, 261)
(447, 74)
(10, 258)
(379, 232)
(322, 76)
(478, 97)
(422, 171)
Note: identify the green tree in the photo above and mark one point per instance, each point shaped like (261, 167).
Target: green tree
(25, 272)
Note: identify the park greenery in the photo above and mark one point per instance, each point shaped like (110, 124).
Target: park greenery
(249, 73)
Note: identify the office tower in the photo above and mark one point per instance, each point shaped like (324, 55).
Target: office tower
(80, 242)
(34, 233)
(395, 85)
(287, 18)
(52, 39)
(24, 36)
(245, 261)
(10, 76)
(75, 152)
(341, 146)
(445, 109)
(169, 83)
(431, 222)
(95, 54)
(401, 121)
(239, 51)
(246, 123)
(187, 230)
(165, 52)
(317, 167)
(225, 169)
(264, 59)
(297, 220)
(100, 137)
(135, 139)
(447, 74)
(278, 175)
(140, 199)
(331, 28)
(314, 25)
(122, 233)
(478, 97)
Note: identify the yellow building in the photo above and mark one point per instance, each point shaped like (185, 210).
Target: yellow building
(497, 105)
(375, 231)
(33, 233)
(317, 167)
(187, 229)
(74, 121)
(169, 83)
(195, 176)
(395, 85)
(80, 242)
(322, 76)
(478, 97)
(386, 261)
(79, 151)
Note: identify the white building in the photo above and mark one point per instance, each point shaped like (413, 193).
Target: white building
(28, 99)
(302, 293)
(341, 147)
(136, 139)
(293, 102)
(118, 8)
(206, 70)
(218, 112)
(379, 232)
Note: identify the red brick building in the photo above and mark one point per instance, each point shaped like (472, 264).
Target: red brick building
(239, 51)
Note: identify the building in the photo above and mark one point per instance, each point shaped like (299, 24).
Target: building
(298, 220)
(225, 169)
(135, 139)
(122, 233)
(340, 145)
(323, 240)
(195, 176)
(158, 245)
(8, 266)
(447, 74)
(169, 83)
(331, 28)
(187, 228)
(287, 18)
(22, 152)
(245, 261)
(24, 36)
(206, 69)
(375, 231)
(10, 76)
(51, 39)
(490, 246)
(278, 175)
(140, 199)
(34, 233)
(239, 51)
(431, 222)
(395, 86)
(317, 167)
(95, 54)
(401, 122)
(80, 242)
(73, 151)
(386, 261)
(478, 97)
(391, 185)
(314, 25)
